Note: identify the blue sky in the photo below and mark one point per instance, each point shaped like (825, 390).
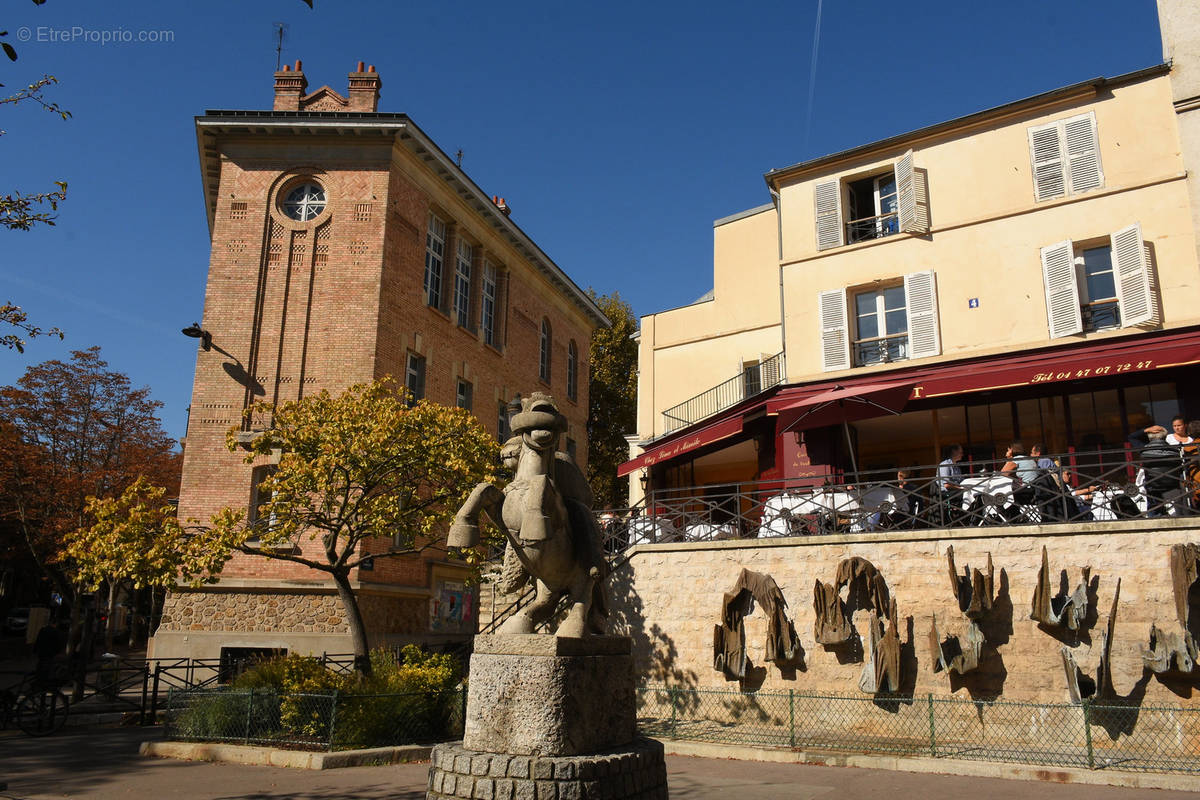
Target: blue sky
(617, 131)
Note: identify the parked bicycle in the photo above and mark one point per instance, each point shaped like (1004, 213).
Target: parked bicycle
(36, 705)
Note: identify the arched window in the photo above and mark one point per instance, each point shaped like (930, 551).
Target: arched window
(544, 352)
(572, 370)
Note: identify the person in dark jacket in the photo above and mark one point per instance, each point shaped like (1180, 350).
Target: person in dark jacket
(1163, 469)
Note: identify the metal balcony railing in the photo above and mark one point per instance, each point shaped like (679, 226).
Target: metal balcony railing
(1086, 486)
(862, 230)
(882, 350)
(751, 381)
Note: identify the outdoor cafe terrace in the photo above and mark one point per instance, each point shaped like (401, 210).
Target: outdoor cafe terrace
(1096, 486)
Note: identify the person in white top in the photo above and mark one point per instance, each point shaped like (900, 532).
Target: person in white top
(1179, 432)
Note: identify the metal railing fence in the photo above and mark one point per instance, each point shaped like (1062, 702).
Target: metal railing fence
(293, 720)
(1091, 486)
(754, 379)
(1092, 735)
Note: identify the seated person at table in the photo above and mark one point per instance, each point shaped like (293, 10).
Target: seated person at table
(1051, 498)
(1023, 469)
(902, 509)
(1080, 496)
(1179, 431)
(949, 484)
(1162, 467)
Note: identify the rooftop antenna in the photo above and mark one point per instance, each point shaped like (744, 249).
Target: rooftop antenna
(279, 29)
(458, 158)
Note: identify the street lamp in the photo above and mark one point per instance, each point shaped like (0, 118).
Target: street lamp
(194, 331)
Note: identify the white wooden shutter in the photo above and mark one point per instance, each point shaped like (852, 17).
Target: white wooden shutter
(827, 202)
(1132, 274)
(910, 197)
(1062, 291)
(920, 295)
(835, 330)
(1045, 154)
(1083, 153)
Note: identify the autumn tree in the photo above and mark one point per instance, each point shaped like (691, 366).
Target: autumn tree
(365, 467)
(612, 399)
(135, 540)
(72, 430)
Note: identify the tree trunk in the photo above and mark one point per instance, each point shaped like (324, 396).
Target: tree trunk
(110, 624)
(358, 633)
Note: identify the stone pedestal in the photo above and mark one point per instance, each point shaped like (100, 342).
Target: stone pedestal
(550, 718)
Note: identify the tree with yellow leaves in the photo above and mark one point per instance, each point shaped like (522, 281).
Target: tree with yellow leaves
(364, 474)
(136, 540)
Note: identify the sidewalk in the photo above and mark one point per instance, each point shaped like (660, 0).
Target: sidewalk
(103, 764)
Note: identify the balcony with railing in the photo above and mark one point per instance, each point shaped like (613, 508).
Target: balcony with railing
(881, 350)
(752, 380)
(867, 228)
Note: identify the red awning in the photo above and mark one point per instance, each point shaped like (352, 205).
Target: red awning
(842, 404)
(692, 441)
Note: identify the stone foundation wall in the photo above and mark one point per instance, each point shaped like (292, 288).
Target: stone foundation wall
(272, 612)
(266, 611)
(669, 596)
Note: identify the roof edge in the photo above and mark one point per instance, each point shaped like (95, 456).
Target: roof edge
(773, 175)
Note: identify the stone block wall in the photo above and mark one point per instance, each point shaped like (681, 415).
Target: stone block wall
(669, 598)
(267, 611)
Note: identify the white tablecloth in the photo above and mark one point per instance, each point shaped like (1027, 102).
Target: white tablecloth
(648, 530)
(853, 504)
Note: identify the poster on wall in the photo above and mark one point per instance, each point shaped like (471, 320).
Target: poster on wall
(452, 608)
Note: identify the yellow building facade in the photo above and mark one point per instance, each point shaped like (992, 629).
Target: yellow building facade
(1025, 272)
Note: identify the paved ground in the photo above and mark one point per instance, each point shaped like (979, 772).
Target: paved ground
(104, 765)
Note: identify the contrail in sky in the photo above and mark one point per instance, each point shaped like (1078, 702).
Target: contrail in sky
(812, 80)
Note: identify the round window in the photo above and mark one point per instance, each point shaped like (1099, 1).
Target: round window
(305, 202)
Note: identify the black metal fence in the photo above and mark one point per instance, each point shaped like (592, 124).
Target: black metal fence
(753, 379)
(1093, 486)
(1092, 734)
(302, 721)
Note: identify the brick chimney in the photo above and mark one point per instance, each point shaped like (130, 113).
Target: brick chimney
(364, 89)
(290, 86)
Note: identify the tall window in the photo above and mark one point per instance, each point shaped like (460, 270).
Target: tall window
(1098, 289)
(414, 376)
(503, 430)
(881, 322)
(462, 284)
(258, 521)
(572, 371)
(487, 314)
(435, 252)
(544, 352)
(464, 394)
(873, 206)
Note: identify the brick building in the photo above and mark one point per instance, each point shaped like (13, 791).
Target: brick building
(347, 246)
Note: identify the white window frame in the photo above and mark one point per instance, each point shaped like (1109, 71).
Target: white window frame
(572, 370)
(921, 307)
(880, 313)
(1064, 157)
(545, 342)
(462, 283)
(1133, 278)
(414, 375)
(464, 394)
(257, 498)
(912, 208)
(489, 294)
(435, 259)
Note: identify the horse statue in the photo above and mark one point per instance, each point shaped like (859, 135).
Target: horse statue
(545, 514)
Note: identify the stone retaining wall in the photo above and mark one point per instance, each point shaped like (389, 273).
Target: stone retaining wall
(669, 598)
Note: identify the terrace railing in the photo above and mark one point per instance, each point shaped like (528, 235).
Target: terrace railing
(753, 380)
(1091, 486)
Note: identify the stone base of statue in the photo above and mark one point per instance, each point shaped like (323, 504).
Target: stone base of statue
(550, 717)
